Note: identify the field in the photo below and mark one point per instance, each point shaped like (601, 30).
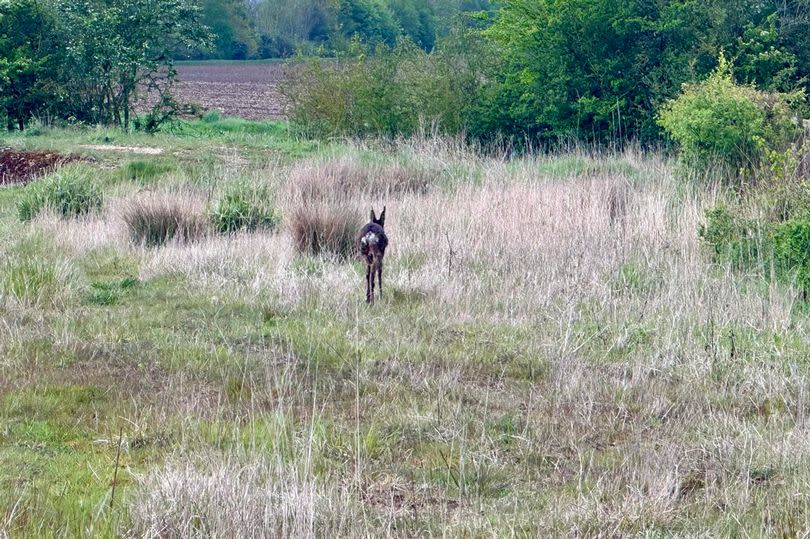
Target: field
(555, 353)
(244, 89)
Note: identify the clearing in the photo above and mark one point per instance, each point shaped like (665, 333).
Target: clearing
(555, 353)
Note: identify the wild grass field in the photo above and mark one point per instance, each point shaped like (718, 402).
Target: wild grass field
(555, 353)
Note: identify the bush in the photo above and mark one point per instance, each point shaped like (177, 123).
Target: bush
(325, 228)
(156, 218)
(733, 239)
(720, 122)
(69, 191)
(390, 92)
(275, 47)
(771, 249)
(241, 209)
(792, 249)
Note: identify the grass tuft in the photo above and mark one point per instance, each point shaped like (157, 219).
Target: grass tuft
(330, 228)
(243, 208)
(153, 219)
(69, 191)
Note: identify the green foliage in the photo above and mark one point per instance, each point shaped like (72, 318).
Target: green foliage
(792, 249)
(244, 209)
(718, 121)
(370, 20)
(760, 60)
(595, 69)
(233, 35)
(119, 48)
(733, 239)
(282, 28)
(393, 92)
(69, 191)
(770, 249)
(30, 57)
(417, 20)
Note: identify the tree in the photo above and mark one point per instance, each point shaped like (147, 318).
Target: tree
(599, 69)
(232, 27)
(416, 19)
(370, 20)
(117, 48)
(30, 56)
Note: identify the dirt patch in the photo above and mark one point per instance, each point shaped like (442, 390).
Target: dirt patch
(249, 90)
(142, 150)
(18, 167)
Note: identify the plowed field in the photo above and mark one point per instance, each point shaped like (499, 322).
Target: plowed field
(247, 90)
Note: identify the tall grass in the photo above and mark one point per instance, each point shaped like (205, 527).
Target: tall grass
(69, 191)
(154, 219)
(555, 354)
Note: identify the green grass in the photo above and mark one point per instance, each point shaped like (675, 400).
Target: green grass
(595, 378)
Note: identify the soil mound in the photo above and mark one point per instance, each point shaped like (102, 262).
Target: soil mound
(18, 167)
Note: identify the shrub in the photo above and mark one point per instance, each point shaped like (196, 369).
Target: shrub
(718, 121)
(391, 92)
(325, 228)
(69, 191)
(241, 209)
(792, 249)
(275, 47)
(734, 239)
(156, 218)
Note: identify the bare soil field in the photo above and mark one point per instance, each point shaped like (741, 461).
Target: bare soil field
(248, 90)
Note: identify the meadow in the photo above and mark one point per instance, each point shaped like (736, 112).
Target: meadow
(555, 352)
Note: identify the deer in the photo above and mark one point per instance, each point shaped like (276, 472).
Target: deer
(371, 244)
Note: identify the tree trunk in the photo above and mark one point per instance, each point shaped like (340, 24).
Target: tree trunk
(125, 104)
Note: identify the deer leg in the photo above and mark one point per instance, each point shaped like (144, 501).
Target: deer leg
(371, 277)
(369, 284)
(379, 276)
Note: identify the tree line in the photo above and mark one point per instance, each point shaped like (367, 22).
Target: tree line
(245, 29)
(542, 70)
(535, 69)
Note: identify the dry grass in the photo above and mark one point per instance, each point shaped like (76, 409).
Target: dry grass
(609, 280)
(256, 497)
(554, 355)
(154, 218)
(318, 227)
(350, 174)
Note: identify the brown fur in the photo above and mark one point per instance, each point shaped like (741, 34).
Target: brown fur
(371, 244)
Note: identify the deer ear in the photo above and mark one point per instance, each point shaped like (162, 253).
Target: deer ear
(382, 217)
(373, 217)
